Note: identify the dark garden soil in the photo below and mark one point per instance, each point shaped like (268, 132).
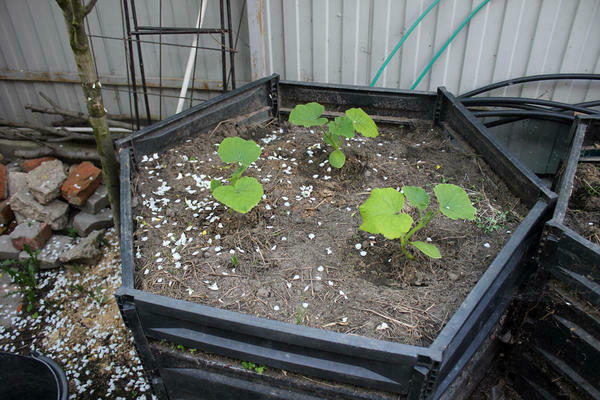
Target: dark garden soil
(583, 214)
(299, 256)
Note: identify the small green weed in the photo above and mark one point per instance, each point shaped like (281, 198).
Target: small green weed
(492, 223)
(72, 232)
(301, 311)
(24, 275)
(97, 296)
(591, 190)
(253, 367)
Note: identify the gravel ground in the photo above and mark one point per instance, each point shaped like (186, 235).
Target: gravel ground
(77, 324)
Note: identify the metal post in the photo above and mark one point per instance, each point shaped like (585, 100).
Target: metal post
(223, 48)
(231, 53)
(131, 64)
(139, 49)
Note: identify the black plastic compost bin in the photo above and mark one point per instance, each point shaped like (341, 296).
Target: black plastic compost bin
(32, 377)
(559, 351)
(400, 370)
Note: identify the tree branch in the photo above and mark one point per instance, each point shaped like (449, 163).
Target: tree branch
(81, 117)
(88, 8)
(47, 130)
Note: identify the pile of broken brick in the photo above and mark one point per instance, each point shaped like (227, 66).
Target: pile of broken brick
(59, 209)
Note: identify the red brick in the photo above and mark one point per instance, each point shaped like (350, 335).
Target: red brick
(35, 240)
(32, 164)
(6, 213)
(12, 226)
(82, 182)
(3, 182)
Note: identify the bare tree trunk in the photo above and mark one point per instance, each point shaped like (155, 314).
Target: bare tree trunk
(75, 12)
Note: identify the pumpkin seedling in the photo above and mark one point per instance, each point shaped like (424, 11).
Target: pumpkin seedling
(245, 192)
(382, 213)
(309, 115)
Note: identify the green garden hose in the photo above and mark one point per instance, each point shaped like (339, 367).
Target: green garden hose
(401, 42)
(437, 55)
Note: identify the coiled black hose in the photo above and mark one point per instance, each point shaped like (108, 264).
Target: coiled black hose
(559, 117)
(517, 102)
(525, 79)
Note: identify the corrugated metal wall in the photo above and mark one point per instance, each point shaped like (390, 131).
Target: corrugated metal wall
(35, 55)
(336, 41)
(346, 41)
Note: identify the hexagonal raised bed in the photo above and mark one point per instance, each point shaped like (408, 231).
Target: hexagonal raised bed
(385, 369)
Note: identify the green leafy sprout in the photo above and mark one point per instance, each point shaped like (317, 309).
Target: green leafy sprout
(243, 192)
(301, 310)
(342, 127)
(253, 367)
(24, 275)
(382, 213)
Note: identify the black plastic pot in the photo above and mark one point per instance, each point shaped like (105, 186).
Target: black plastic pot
(381, 366)
(32, 377)
(559, 351)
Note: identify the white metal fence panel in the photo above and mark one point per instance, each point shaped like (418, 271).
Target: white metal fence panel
(335, 41)
(346, 41)
(35, 55)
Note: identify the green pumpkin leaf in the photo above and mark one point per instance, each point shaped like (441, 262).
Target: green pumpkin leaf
(235, 149)
(337, 159)
(214, 184)
(363, 124)
(242, 196)
(427, 249)
(308, 115)
(381, 213)
(454, 201)
(417, 196)
(342, 126)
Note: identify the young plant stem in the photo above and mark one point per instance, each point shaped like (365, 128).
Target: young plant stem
(236, 174)
(423, 220)
(330, 138)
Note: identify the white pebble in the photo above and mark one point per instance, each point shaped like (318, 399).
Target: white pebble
(382, 326)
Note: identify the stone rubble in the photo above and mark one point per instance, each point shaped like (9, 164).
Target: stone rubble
(45, 181)
(7, 250)
(96, 202)
(82, 181)
(34, 234)
(86, 251)
(17, 182)
(84, 223)
(25, 206)
(49, 255)
(3, 182)
(46, 208)
(30, 165)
